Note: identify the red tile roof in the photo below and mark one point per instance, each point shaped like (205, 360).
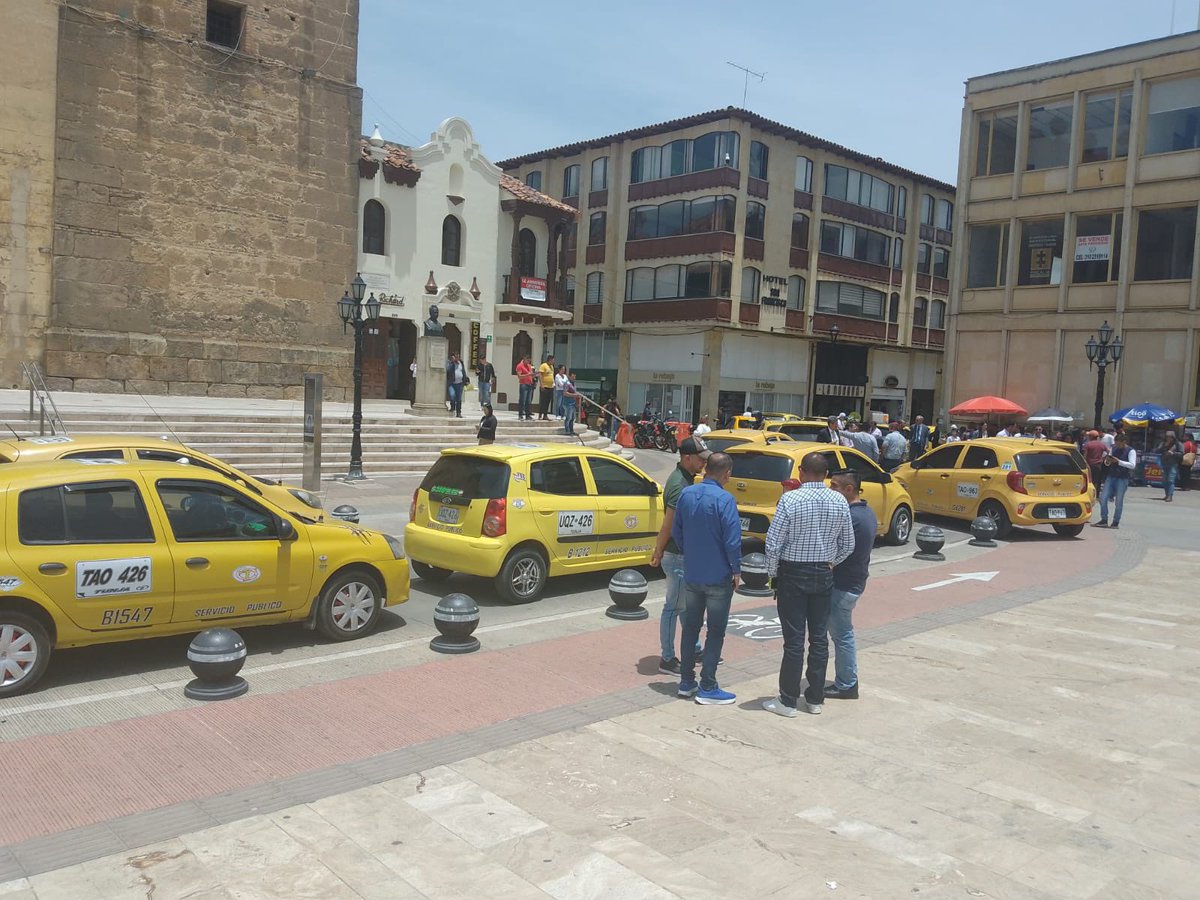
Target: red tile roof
(522, 191)
(396, 155)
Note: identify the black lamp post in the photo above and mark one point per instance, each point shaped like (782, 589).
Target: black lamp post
(834, 331)
(357, 314)
(1102, 353)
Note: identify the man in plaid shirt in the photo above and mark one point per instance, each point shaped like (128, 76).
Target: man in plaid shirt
(810, 534)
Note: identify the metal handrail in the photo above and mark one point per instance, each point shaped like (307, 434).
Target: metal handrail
(48, 409)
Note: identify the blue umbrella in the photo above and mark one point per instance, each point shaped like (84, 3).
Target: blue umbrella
(1145, 414)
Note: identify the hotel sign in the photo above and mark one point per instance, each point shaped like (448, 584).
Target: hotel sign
(841, 390)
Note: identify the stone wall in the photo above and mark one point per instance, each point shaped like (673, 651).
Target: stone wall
(205, 199)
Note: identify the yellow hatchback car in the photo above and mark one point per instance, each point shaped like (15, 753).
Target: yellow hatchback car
(96, 551)
(131, 447)
(799, 429)
(762, 474)
(521, 513)
(721, 440)
(1012, 481)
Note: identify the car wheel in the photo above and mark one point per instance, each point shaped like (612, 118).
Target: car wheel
(1068, 530)
(997, 514)
(430, 573)
(523, 576)
(349, 605)
(24, 652)
(901, 526)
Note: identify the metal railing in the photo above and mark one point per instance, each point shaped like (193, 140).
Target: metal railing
(47, 411)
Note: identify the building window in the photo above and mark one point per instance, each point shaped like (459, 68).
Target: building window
(937, 314)
(1041, 252)
(224, 24)
(1097, 248)
(799, 231)
(756, 218)
(751, 284)
(569, 300)
(924, 252)
(699, 216)
(945, 215)
(996, 142)
(374, 228)
(595, 288)
(534, 180)
(894, 308)
(600, 174)
(1106, 125)
(451, 241)
(941, 262)
(709, 151)
(571, 181)
(1173, 117)
(1165, 239)
(1049, 143)
(597, 225)
(796, 290)
(854, 242)
(920, 311)
(897, 253)
(708, 279)
(902, 202)
(804, 170)
(758, 160)
(858, 188)
(987, 255)
(927, 210)
(527, 253)
(848, 299)
(571, 238)
(675, 282)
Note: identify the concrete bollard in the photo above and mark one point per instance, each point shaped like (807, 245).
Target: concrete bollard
(456, 617)
(930, 540)
(983, 532)
(627, 589)
(215, 657)
(346, 513)
(755, 580)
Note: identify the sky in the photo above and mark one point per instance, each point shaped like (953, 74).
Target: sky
(883, 78)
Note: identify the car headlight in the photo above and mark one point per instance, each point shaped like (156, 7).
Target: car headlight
(396, 546)
(308, 498)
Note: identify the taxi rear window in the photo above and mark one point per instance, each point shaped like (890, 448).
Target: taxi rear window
(801, 432)
(761, 467)
(720, 445)
(468, 478)
(1043, 463)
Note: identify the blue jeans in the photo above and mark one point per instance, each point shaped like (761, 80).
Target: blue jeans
(558, 403)
(702, 600)
(802, 597)
(672, 566)
(841, 632)
(485, 393)
(614, 423)
(1170, 473)
(456, 392)
(568, 414)
(525, 401)
(1114, 489)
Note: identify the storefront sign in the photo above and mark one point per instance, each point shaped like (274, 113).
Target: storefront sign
(764, 385)
(1092, 248)
(841, 390)
(780, 302)
(391, 306)
(474, 344)
(533, 289)
(662, 376)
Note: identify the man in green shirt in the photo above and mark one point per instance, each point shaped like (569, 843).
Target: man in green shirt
(692, 454)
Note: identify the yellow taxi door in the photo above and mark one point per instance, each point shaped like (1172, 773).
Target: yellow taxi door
(978, 474)
(95, 548)
(564, 511)
(872, 488)
(628, 512)
(228, 558)
(934, 481)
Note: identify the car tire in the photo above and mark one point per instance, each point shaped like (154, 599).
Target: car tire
(999, 516)
(349, 605)
(24, 652)
(1068, 530)
(900, 528)
(427, 572)
(523, 576)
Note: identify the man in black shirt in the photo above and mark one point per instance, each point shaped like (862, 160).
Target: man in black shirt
(849, 581)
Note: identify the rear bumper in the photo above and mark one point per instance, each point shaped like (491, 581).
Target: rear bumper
(457, 552)
(760, 520)
(1036, 511)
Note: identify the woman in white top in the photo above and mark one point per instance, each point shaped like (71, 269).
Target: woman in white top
(560, 383)
(702, 428)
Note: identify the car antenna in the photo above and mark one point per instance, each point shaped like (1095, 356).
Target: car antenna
(14, 431)
(160, 418)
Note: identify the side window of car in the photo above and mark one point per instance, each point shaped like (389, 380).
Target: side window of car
(942, 458)
(558, 476)
(95, 454)
(203, 511)
(103, 512)
(979, 457)
(867, 471)
(615, 480)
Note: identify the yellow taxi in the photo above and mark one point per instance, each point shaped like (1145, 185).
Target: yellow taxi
(747, 422)
(521, 513)
(96, 551)
(1012, 481)
(799, 429)
(721, 440)
(131, 447)
(762, 474)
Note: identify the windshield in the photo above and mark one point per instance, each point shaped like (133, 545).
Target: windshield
(761, 467)
(467, 477)
(720, 445)
(1043, 463)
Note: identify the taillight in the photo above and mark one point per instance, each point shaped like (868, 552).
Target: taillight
(789, 484)
(1086, 481)
(412, 510)
(495, 517)
(1016, 482)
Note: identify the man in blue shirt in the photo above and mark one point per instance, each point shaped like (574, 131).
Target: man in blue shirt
(709, 532)
(849, 581)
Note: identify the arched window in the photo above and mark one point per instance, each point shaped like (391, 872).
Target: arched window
(920, 307)
(751, 280)
(800, 231)
(937, 314)
(595, 288)
(756, 218)
(451, 241)
(374, 228)
(527, 253)
(534, 180)
(795, 297)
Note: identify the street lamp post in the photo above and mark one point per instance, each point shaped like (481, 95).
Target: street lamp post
(1102, 353)
(357, 314)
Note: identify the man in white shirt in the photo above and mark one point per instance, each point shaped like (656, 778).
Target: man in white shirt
(1119, 466)
(703, 427)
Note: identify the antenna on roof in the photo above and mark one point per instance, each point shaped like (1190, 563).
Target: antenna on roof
(14, 431)
(157, 415)
(746, 82)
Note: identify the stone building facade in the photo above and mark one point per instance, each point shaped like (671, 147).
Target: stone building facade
(204, 206)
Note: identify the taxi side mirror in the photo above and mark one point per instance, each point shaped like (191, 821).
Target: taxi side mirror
(286, 530)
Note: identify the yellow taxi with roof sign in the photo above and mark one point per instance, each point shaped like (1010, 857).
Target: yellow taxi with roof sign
(1012, 481)
(522, 513)
(96, 551)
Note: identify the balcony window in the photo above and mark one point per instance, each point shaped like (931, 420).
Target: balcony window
(751, 284)
(1049, 143)
(945, 215)
(894, 308)
(987, 255)
(675, 282)
(1173, 116)
(927, 208)
(699, 216)
(854, 242)
(799, 231)
(597, 226)
(795, 292)
(920, 312)
(924, 252)
(937, 314)
(858, 188)
(1165, 239)
(571, 181)
(569, 300)
(534, 180)
(600, 174)
(902, 202)
(1097, 248)
(1106, 125)
(756, 217)
(527, 253)
(709, 151)
(595, 288)
(941, 262)
(759, 154)
(804, 173)
(996, 142)
(843, 298)
(897, 253)
(1041, 252)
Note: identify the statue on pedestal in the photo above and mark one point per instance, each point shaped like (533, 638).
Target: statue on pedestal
(434, 328)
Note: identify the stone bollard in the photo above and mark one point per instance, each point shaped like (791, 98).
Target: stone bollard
(215, 657)
(930, 540)
(983, 531)
(346, 513)
(627, 589)
(456, 617)
(755, 580)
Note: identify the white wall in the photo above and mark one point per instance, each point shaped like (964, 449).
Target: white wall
(889, 362)
(664, 352)
(763, 357)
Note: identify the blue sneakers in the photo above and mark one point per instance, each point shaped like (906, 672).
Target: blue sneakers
(713, 697)
(687, 689)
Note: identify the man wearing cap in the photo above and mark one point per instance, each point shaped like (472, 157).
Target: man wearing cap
(693, 453)
(1094, 451)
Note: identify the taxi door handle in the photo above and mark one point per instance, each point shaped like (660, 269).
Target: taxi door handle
(196, 562)
(944, 475)
(985, 477)
(52, 568)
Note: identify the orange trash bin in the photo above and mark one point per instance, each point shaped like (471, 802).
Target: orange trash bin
(625, 435)
(683, 430)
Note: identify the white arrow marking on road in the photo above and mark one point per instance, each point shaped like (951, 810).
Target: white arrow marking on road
(955, 579)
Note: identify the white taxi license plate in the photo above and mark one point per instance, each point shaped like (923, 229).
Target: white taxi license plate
(745, 523)
(448, 514)
(1057, 512)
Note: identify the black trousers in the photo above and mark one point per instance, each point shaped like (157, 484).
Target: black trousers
(802, 596)
(544, 400)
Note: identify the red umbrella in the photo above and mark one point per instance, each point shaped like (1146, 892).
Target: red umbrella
(983, 406)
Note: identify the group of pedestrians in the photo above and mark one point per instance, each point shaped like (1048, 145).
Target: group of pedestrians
(890, 449)
(818, 549)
